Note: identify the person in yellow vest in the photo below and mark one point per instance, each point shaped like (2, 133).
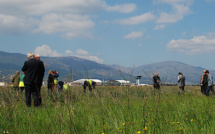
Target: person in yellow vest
(89, 84)
(21, 82)
(55, 75)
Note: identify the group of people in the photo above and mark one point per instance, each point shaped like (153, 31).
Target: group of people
(53, 83)
(181, 81)
(18, 79)
(33, 73)
(206, 83)
(31, 80)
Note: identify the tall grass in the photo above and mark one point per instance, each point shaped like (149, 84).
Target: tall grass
(109, 110)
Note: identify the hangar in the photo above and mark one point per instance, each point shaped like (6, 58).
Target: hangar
(117, 83)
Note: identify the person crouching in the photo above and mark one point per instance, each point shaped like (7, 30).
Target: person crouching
(90, 84)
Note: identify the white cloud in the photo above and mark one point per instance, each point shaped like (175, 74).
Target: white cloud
(41, 7)
(92, 58)
(196, 45)
(84, 54)
(13, 24)
(138, 19)
(68, 25)
(45, 50)
(133, 35)
(70, 18)
(69, 52)
(126, 8)
(159, 27)
(172, 2)
(179, 11)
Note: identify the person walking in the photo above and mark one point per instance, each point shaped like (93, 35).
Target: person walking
(156, 81)
(181, 82)
(15, 81)
(34, 73)
(21, 82)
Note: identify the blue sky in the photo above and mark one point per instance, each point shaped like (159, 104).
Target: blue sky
(124, 32)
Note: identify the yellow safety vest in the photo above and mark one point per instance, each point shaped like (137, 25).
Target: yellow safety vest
(21, 84)
(90, 82)
(65, 86)
(55, 81)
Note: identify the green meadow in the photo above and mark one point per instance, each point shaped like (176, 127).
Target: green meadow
(108, 110)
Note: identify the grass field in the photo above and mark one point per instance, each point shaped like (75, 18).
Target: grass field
(109, 110)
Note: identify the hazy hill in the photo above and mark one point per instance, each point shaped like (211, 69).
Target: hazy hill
(168, 71)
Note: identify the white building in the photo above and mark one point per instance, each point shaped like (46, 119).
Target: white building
(117, 83)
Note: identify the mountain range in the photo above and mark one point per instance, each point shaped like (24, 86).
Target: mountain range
(168, 71)
(69, 68)
(73, 68)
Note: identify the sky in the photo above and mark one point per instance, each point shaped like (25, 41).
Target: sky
(124, 32)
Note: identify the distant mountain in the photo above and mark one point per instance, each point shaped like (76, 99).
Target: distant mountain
(68, 67)
(73, 68)
(168, 71)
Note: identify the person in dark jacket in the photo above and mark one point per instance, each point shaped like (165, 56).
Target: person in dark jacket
(34, 73)
(156, 81)
(50, 82)
(205, 82)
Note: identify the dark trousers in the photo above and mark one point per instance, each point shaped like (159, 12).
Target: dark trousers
(208, 90)
(34, 90)
(21, 89)
(203, 89)
(16, 89)
(50, 88)
(182, 88)
(212, 89)
(157, 86)
(60, 87)
(87, 84)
